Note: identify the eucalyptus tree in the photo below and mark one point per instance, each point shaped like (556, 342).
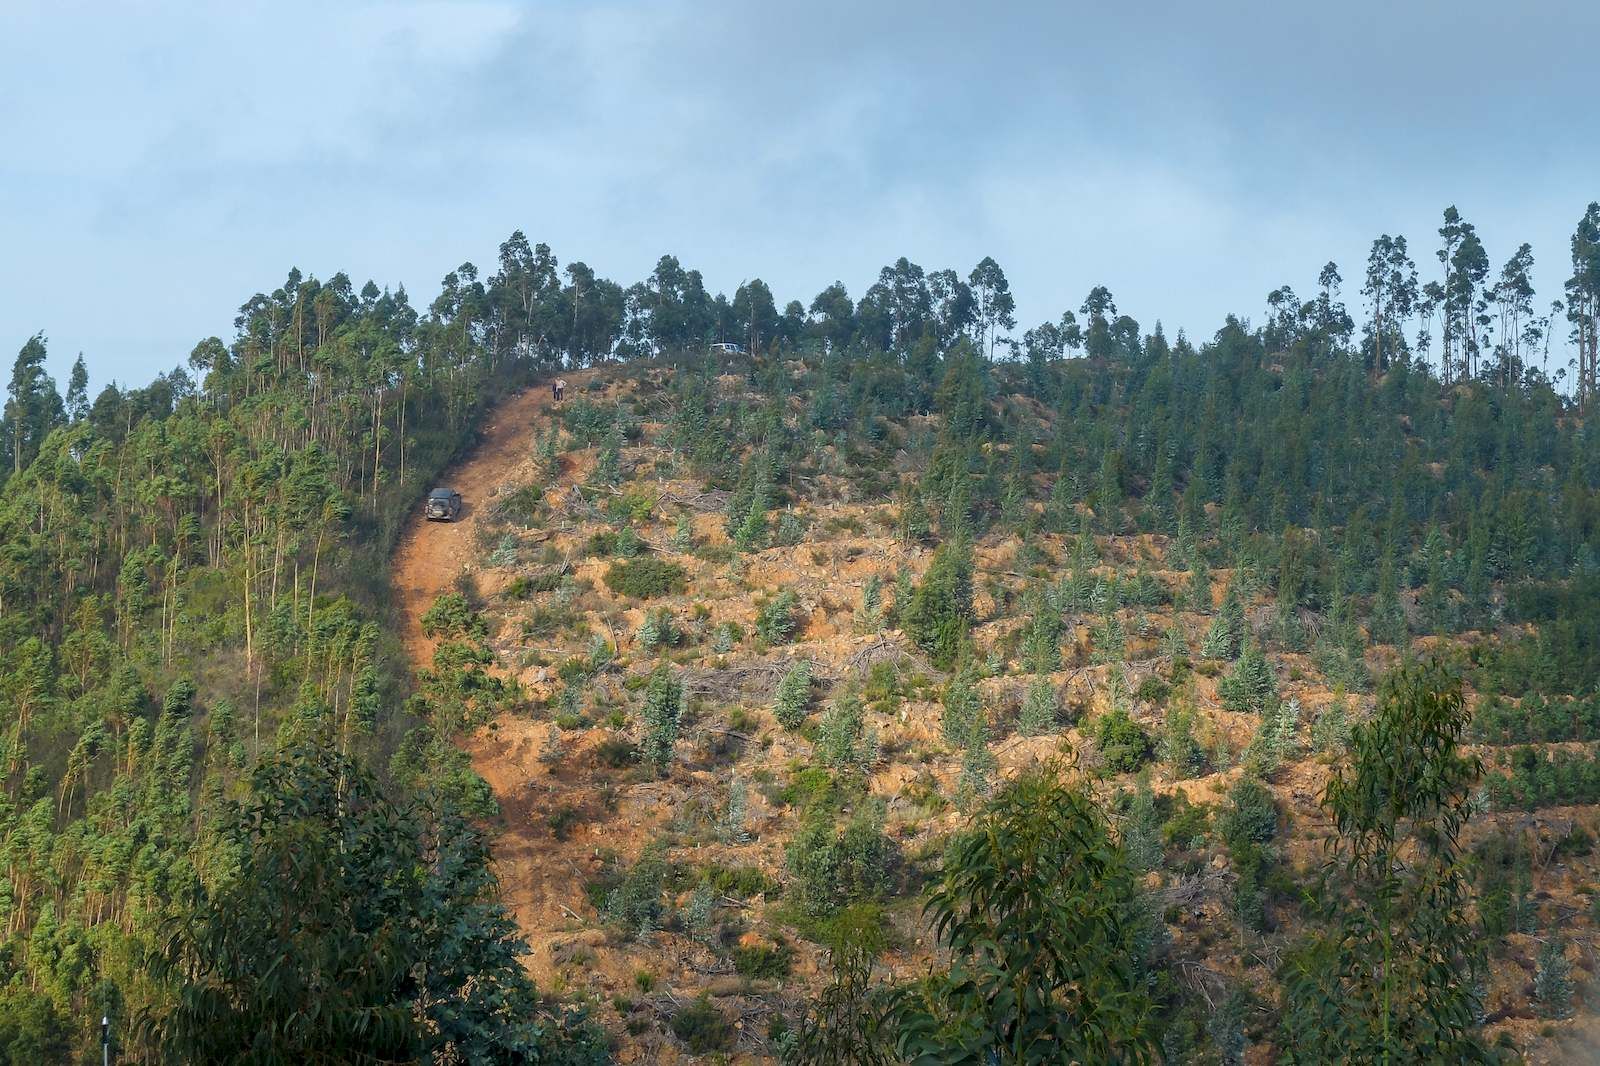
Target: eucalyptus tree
(994, 308)
(1391, 972)
(1391, 289)
(33, 407)
(1583, 303)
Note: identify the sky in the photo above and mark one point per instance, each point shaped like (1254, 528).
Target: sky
(161, 162)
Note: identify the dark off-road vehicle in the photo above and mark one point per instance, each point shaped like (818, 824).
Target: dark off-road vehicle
(443, 505)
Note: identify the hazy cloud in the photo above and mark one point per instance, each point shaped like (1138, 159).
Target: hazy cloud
(164, 161)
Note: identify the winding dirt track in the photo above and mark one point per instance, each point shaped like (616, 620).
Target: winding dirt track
(534, 879)
(429, 555)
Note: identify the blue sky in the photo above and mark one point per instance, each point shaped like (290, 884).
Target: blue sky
(164, 161)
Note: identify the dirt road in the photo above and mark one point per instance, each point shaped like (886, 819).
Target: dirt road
(539, 877)
(431, 554)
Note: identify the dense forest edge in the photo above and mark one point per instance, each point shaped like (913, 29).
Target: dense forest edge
(235, 821)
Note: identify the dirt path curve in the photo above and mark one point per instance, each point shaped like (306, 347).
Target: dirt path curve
(429, 555)
(534, 883)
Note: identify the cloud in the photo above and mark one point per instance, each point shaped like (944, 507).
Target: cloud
(166, 160)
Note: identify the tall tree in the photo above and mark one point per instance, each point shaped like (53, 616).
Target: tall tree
(1391, 289)
(1519, 329)
(1329, 317)
(344, 928)
(994, 306)
(1583, 303)
(33, 407)
(78, 391)
(1460, 299)
(753, 308)
(1099, 310)
(954, 306)
(833, 316)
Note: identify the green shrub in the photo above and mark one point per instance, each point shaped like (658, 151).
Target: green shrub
(885, 688)
(793, 698)
(1331, 731)
(775, 622)
(520, 507)
(525, 585)
(658, 630)
(616, 752)
(1041, 709)
(1274, 740)
(1248, 825)
(562, 819)
(634, 903)
(741, 882)
(962, 709)
(663, 706)
(844, 743)
(702, 1027)
(645, 578)
(452, 616)
(1187, 824)
(1153, 690)
(1552, 981)
(769, 961)
(939, 613)
(831, 868)
(1124, 746)
(631, 506)
(1250, 685)
(1178, 747)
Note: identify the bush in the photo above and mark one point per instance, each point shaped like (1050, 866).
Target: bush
(1274, 740)
(1250, 685)
(634, 903)
(1041, 710)
(525, 585)
(1226, 636)
(452, 616)
(1179, 749)
(1331, 731)
(844, 744)
(658, 631)
(1124, 746)
(616, 752)
(1036, 906)
(520, 507)
(645, 578)
(1552, 982)
(794, 696)
(962, 709)
(939, 612)
(1153, 690)
(1187, 824)
(832, 868)
(775, 622)
(663, 706)
(741, 882)
(1248, 825)
(702, 1027)
(769, 961)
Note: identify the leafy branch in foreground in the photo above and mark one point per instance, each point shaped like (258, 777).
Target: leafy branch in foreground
(1393, 975)
(1037, 909)
(345, 928)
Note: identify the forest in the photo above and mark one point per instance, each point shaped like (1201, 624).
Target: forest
(238, 821)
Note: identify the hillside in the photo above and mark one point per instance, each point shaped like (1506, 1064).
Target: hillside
(599, 561)
(821, 703)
